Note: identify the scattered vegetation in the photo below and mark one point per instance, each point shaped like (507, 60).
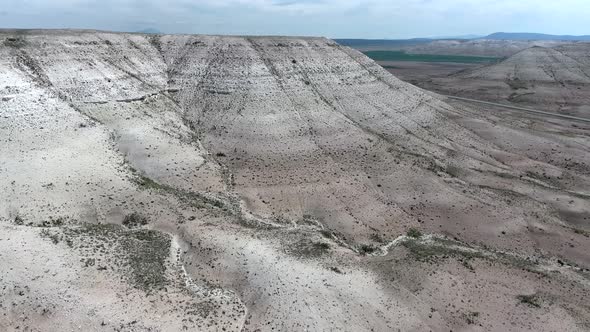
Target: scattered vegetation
(471, 317)
(441, 248)
(582, 232)
(57, 222)
(466, 264)
(18, 220)
(366, 249)
(146, 253)
(139, 255)
(414, 233)
(336, 270)
(195, 199)
(327, 233)
(135, 220)
(428, 252)
(148, 183)
(14, 42)
(377, 238)
(55, 238)
(310, 249)
(51, 222)
(531, 300)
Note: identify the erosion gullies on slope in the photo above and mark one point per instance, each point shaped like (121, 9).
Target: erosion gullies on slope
(281, 116)
(563, 64)
(497, 48)
(298, 98)
(548, 78)
(314, 101)
(276, 161)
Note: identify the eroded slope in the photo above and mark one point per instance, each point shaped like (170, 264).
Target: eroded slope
(549, 78)
(273, 173)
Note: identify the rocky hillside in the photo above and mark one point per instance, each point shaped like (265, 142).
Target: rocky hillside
(549, 78)
(479, 47)
(171, 182)
(565, 64)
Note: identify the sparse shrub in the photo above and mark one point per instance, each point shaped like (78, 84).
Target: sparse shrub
(466, 264)
(49, 235)
(57, 222)
(327, 233)
(18, 220)
(336, 270)
(377, 238)
(413, 232)
(89, 262)
(309, 248)
(134, 220)
(148, 183)
(471, 317)
(138, 255)
(366, 249)
(54, 238)
(14, 42)
(146, 252)
(530, 300)
(53, 222)
(317, 249)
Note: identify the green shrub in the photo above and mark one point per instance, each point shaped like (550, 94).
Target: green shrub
(413, 232)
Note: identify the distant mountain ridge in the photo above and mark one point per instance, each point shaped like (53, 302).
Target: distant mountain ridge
(381, 42)
(526, 36)
(533, 36)
(149, 31)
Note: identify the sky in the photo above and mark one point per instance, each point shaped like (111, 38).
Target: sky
(388, 19)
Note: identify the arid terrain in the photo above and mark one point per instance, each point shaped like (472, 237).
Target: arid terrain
(473, 47)
(554, 79)
(209, 183)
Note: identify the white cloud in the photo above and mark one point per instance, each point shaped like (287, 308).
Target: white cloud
(354, 18)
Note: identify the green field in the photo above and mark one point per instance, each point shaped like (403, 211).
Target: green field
(403, 56)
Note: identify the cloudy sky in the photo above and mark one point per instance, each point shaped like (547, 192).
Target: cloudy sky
(331, 18)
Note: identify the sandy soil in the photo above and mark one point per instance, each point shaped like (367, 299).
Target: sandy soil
(268, 183)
